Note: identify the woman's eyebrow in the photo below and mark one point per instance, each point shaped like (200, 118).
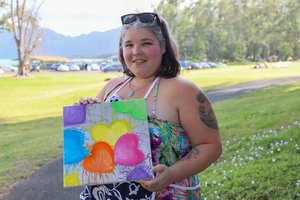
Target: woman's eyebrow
(147, 39)
(143, 40)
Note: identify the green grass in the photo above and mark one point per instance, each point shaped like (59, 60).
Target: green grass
(261, 141)
(31, 110)
(44, 94)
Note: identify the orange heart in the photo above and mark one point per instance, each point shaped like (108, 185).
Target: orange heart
(101, 160)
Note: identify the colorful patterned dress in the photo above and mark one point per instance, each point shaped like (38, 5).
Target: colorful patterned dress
(169, 143)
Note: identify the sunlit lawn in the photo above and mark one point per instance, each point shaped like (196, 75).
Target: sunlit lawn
(261, 147)
(212, 78)
(31, 109)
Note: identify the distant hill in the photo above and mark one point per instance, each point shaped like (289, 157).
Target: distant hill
(92, 45)
(8, 48)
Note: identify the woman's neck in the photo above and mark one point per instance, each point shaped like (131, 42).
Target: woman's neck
(137, 81)
(137, 85)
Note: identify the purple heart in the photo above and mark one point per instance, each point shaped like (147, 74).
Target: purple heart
(74, 115)
(139, 173)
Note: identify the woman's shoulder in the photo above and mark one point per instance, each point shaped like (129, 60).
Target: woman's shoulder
(110, 86)
(178, 84)
(114, 82)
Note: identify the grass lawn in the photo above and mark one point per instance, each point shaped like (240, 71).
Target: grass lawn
(261, 147)
(31, 115)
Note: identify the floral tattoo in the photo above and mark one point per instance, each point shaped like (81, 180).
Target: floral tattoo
(206, 112)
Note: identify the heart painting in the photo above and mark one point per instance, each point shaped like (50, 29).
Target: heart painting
(106, 143)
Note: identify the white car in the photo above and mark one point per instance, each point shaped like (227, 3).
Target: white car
(63, 68)
(74, 67)
(9, 68)
(93, 67)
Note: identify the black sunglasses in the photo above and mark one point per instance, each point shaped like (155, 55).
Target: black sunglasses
(146, 17)
(143, 17)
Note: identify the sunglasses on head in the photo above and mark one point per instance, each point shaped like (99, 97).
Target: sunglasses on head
(143, 17)
(146, 17)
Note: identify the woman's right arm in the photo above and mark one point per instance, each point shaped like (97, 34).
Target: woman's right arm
(102, 94)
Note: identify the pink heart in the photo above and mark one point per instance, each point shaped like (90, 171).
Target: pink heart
(126, 150)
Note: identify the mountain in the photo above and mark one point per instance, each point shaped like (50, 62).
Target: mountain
(92, 45)
(8, 48)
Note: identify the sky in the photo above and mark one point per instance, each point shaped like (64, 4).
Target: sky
(76, 17)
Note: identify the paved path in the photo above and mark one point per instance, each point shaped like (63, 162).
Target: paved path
(46, 183)
(233, 91)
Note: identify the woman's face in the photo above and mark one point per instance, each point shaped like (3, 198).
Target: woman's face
(142, 52)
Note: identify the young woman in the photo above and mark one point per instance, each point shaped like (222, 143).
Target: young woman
(183, 128)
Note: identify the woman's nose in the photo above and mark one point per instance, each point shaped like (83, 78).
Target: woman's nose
(136, 50)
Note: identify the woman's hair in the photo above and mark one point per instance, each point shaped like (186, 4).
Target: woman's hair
(170, 66)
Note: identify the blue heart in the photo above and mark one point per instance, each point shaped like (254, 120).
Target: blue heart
(74, 152)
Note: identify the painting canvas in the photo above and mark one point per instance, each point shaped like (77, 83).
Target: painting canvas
(106, 143)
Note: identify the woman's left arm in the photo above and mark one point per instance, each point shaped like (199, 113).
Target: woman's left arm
(198, 119)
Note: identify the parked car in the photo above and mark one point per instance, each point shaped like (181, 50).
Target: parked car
(9, 68)
(34, 68)
(54, 66)
(213, 64)
(195, 65)
(221, 64)
(93, 67)
(115, 67)
(102, 65)
(74, 67)
(204, 65)
(46, 66)
(185, 65)
(63, 68)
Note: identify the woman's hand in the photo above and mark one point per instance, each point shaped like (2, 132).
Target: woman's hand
(86, 101)
(163, 178)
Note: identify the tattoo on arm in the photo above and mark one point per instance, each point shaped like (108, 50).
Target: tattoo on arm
(206, 112)
(191, 155)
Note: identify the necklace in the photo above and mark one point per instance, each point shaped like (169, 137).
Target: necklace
(132, 91)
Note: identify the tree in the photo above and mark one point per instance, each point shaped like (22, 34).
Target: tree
(291, 25)
(171, 12)
(234, 30)
(2, 3)
(2, 18)
(24, 24)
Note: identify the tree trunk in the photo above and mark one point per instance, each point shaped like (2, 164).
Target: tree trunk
(21, 67)
(265, 52)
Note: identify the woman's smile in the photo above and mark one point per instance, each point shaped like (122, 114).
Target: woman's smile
(139, 61)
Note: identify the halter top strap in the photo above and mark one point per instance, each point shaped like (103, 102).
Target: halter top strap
(151, 87)
(154, 100)
(119, 88)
